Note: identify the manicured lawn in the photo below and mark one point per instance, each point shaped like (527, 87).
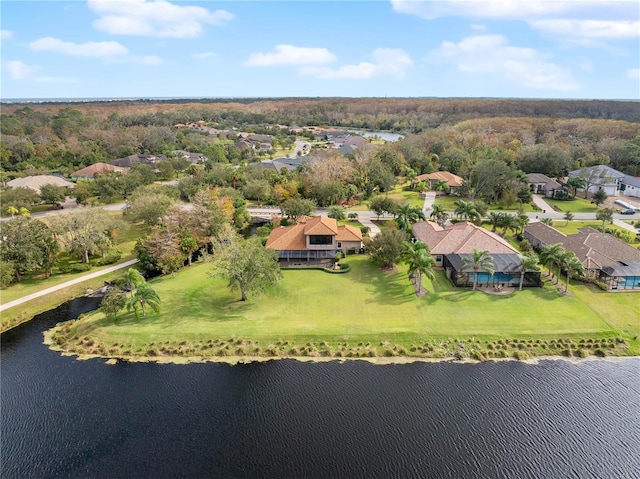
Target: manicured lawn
(365, 304)
(449, 204)
(573, 226)
(576, 205)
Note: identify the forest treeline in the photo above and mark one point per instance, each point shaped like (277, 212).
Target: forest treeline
(550, 136)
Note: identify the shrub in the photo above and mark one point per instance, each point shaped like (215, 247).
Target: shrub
(600, 352)
(75, 268)
(110, 258)
(7, 274)
(521, 355)
(581, 353)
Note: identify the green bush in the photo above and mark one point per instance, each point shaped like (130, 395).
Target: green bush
(7, 274)
(111, 257)
(75, 268)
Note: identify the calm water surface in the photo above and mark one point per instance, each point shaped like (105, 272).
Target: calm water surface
(283, 419)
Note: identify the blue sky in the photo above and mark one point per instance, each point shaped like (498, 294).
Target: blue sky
(396, 48)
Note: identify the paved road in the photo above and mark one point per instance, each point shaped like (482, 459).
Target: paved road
(300, 148)
(57, 287)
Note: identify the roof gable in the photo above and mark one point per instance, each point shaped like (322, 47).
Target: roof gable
(460, 238)
(321, 225)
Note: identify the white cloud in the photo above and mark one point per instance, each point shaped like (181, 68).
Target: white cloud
(291, 55)
(589, 28)
(203, 55)
(633, 73)
(88, 49)
(490, 55)
(387, 61)
(19, 70)
(5, 34)
(154, 19)
(483, 8)
(476, 26)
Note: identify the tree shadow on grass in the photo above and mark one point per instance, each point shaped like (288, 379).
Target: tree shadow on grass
(387, 287)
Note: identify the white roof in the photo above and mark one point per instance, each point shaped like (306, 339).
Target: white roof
(37, 182)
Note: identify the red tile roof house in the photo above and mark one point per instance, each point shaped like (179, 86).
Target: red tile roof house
(604, 257)
(314, 240)
(454, 182)
(90, 172)
(449, 246)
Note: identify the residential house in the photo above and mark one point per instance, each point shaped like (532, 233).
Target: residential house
(91, 171)
(194, 158)
(630, 186)
(38, 181)
(604, 257)
(543, 185)
(454, 182)
(600, 177)
(314, 240)
(449, 245)
(129, 161)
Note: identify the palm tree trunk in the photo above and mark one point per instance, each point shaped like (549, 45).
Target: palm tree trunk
(521, 280)
(566, 288)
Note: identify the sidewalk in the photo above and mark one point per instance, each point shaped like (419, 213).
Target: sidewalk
(57, 287)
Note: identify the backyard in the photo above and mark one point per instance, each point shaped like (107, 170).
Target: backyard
(366, 310)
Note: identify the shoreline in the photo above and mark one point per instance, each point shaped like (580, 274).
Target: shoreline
(377, 360)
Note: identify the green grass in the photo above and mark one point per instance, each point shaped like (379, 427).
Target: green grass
(364, 305)
(572, 226)
(576, 205)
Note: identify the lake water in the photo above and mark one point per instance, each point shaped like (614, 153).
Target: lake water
(67, 418)
(383, 135)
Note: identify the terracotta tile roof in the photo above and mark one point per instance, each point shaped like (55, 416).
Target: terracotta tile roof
(460, 238)
(349, 233)
(321, 225)
(452, 180)
(544, 233)
(287, 238)
(96, 169)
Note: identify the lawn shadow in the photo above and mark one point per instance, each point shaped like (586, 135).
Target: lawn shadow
(387, 287)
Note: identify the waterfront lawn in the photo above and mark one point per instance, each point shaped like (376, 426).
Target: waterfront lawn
(365, 304)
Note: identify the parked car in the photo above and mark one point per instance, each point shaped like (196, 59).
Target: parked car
(628, 211)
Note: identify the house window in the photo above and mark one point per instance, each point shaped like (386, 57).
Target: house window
(438, 258)
(339, 244)
(320, 239)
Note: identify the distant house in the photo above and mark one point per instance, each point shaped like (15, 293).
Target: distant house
(454, 182)
(604, 257)
(630, 186)
(129, 161)
(600, 177)
(90, 172)
(543, 185)
(36, 182)
(449, 246)
(194, 158)
(314, 240)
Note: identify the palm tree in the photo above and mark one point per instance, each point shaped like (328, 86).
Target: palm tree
(571, 264)
(144, 295)
(527, 263)
(12, 210)
(407, 215)
(439, 214)
(479, 260)
(575, 182)
(568, 216)
(550, 254)
(25, 212)
(420, 262)
(510, 221)
(133, 278)
(466, 210)
(523, 220)
(495, 220)
(440, 185)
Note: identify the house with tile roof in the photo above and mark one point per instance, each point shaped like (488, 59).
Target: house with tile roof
(540, 184)
(604, 257)
(454, 182)
(313, 240)
(129, 161)
(449, 245)
(600, 177)
(91, 171)
(38, 181)
(630, 186)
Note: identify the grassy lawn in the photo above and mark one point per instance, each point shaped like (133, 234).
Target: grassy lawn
(124, 241)
(576, 205)
(449, 204)
(572, 226)
(364, 305)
